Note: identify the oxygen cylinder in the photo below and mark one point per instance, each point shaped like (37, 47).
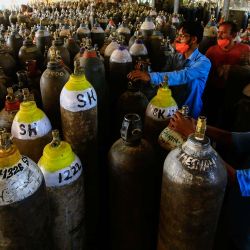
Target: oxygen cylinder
(154, 49)
(51, 84)
(31, 128)
(83, 31)
(14, 41)
(78, 102)
(13, 18)
(23, 205)
(43, 38)
(138, 50)
(97, 35)
(72, 46)
(120, 64)
(3, 90)
(29, 51)
(9, 111)
(131, 189)
(147, 28)
(95, 73)
(170, 139)
(108, 52)
(124, 31)
(193, 185)
(58, 45)
(63, 173)
(158, 113)
(7, 62)
(64, 32)
(131, 101)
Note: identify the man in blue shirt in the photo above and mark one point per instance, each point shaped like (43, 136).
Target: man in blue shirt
(194, 74)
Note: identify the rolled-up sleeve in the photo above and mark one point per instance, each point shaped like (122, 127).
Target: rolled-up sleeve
(199, 69)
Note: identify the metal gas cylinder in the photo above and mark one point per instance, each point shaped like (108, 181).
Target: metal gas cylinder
(83, 31)
(131, 170)
(9, 111)
(65, 31)
(58, 45)
(124, 31)
(29, 51)
(13, 18)
(7, 62)
(170, 139)
(43, 38)
(131, 101)
(24, 213)
(95, 73)
(78, 101)
(63, 174)
(31, 128)
(154, 50)
(108, 52)
(120, 64)
(3, 92)
(73, 47)
(51, 84)
(193, 185)
(97, 35)
(138, 50)
(15, 41)
(158, 113)
(147, 28)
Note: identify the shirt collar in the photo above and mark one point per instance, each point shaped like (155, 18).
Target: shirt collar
(193, 55)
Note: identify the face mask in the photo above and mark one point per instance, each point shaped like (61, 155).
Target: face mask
(181, 47)
(223, 43)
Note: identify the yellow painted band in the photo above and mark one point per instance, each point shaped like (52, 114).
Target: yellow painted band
(56, 158)
(29, 113)
(10, 157)
(163, 98)
(77, 83)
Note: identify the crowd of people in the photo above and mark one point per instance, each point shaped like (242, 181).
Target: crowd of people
(221, 79)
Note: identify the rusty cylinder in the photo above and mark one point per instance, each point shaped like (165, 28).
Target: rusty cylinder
(24, 213)
(193, 185)
(51, 84)
(31, 128)
(131, 189)
(78, 104)
(63, 173)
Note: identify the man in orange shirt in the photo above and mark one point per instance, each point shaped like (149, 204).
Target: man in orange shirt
(222, 55)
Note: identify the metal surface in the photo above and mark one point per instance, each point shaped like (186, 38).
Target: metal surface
(193, 186)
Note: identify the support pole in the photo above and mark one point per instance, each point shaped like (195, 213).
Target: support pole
(225, 9)
(176, 6)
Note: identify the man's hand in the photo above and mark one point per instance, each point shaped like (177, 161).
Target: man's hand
(139, 75)
(182, 125)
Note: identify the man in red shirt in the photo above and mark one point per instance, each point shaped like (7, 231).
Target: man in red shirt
(222, 55)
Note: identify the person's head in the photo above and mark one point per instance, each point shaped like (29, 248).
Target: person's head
(189, 36)
(227, 31)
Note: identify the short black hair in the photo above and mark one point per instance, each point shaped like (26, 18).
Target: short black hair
(233, 25)
(193, 29)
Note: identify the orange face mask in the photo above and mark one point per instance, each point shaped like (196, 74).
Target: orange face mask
(223, 43)
(181, 47)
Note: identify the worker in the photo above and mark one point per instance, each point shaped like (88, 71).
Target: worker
(192, 77)
(222, 55)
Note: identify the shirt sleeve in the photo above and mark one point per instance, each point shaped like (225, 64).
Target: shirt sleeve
(199, 69)
(243, 177)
